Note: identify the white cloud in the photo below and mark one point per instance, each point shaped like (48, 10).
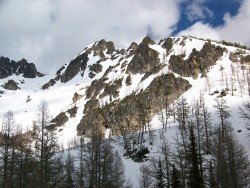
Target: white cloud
(49, 32)
(197, 11)
(235, 29)
(201, 30)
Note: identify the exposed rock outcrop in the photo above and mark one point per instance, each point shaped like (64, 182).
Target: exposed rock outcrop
(76, 97)
(9, 67)
(167, 44)
(49, 84)
(96, 86)
(145, 59)
(11, 85)
(114, 114)
(58, 121)
(246, 59)
(72, 112)
(132, 49)
(198, 61)
(77, 65)
(112, 89)
(100, 47)
(95, 69)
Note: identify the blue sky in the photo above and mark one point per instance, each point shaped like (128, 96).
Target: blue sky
(50, 33)
(211, 12)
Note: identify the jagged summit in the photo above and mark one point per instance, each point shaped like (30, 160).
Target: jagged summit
(102, 76)
(9, 67)
(100, 47)
(137, 95)
(146, 41)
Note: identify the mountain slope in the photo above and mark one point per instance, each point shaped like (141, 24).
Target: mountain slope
(96, 85)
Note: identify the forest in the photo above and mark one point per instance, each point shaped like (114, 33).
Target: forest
(202, 155)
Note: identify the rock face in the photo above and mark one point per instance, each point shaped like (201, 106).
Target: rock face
(58, 121)
(9, 67)
(145, 59)
(100, 47)
(167, 44)
(95, 69)
(113, 98)
(77, 65)
(114, 113)
(76, 97)
(247, 59)
(198, 61)
(11, 85)
(49, 84)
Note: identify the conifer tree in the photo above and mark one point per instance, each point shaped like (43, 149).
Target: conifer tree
(46, 144)
(194, 173)
(175, 179)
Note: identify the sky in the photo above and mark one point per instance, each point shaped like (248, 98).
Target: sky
(50, 33)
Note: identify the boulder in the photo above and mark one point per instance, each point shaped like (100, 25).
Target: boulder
(11, 85)
(76, 97)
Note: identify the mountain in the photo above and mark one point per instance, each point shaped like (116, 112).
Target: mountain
(101, 80)
(111, 87)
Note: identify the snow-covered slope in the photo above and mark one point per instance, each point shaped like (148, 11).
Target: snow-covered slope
(102, 76)
(104, 61)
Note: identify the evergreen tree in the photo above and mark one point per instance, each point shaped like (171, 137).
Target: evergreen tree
(46, 145)
(212, 181)
(194, 173)
(69, 170)
(81, 171)
(175, 179)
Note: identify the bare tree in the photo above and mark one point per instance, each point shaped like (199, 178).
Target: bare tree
(222, 112)
(248, 80)
(7, 134)
(230, 160)
(145, 178)
(80, 171)
(232, 78)
(245, 113)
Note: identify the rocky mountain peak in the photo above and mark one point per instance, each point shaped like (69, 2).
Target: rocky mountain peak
(145, 60)
(133, 46)
(100, 47)
(167, 44)
(9, 67)
(146, 41)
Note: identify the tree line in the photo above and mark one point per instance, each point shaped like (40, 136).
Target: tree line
(203, 154)
(33, 158)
